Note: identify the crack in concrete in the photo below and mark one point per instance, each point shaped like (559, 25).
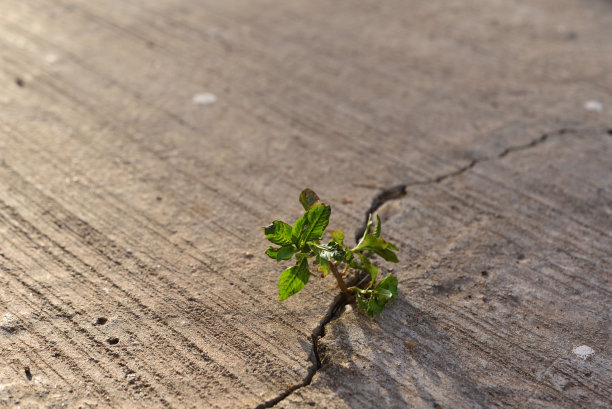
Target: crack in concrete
(333, 311)
(399, 191)
(316, 333)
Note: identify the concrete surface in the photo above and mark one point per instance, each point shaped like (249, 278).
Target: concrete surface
(143, 144)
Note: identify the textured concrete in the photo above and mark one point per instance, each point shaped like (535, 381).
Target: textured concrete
(143, 144)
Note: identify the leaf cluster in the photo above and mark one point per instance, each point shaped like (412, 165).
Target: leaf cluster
(303, 241)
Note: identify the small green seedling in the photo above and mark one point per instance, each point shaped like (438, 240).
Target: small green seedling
(303, 241)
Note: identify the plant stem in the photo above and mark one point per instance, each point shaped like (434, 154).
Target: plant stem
(345, 269)
(339, 279)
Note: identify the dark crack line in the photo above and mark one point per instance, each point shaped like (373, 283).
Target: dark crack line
(334, 311)
(530, 145)
(399, 191)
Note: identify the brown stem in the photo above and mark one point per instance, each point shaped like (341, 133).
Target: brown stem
(339, 279)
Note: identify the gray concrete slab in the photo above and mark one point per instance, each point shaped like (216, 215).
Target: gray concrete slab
(143, 145)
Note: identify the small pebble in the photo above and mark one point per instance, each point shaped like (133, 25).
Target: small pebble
(583, 351)
(593, 106)
(9, 323)
(204, 98)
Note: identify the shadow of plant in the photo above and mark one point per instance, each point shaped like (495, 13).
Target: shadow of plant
(399, 359)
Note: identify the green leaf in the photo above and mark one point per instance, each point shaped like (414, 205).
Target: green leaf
(308, 198)
(388, 284)
(370, 242)
(385, 291)
(302, 256)
(354, 264)
(272, 252)
(293, 280)
(366, 231)
(317, 219)
(298, 228)
(338, 236)
(379, 246)
(376, 232)
(383, 294)
(324, 266)
(361, 302)
(374, 307)
(286, 252)
(387, 255)
(329, 251)
(278, 233)
(283, 253)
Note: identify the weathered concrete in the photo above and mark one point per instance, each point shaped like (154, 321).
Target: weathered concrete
(510, 271)
(126, 196)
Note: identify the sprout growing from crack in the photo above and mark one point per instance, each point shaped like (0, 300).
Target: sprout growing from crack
(302, 241)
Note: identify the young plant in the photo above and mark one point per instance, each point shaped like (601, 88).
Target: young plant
(302, 241)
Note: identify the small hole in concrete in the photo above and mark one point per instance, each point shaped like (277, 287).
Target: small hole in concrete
(20, 82)
(113, 340)
(101, 321)
(484, 273)
(28, 373)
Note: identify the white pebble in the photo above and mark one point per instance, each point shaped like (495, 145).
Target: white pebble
(583, 351)
(593, 106)
(204, 98)
(9, 322)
